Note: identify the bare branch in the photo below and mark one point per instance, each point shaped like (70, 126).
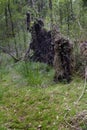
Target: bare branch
(7, 52)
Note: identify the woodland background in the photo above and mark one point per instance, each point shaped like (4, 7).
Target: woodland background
(29, 99)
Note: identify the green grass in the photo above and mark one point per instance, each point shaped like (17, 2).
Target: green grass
(36, 74)
(28, 106)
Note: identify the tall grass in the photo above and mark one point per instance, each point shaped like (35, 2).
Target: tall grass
(36, 74)
(5, 62)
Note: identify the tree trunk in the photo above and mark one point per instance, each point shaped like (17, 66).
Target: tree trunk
(51, 12)
(7, 28)
(12, 27)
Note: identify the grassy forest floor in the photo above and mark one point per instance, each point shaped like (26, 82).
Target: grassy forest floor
(44, 106)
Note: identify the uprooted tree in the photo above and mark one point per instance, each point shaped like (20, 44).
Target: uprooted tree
(83, 49)
(63, 57)
(41, 44)
(52, 48)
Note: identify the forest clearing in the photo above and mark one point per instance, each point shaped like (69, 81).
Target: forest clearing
(43, 65)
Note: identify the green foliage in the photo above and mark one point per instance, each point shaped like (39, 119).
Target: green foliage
(4, 65)
(66, 14)
(84, 127)
(36, 74)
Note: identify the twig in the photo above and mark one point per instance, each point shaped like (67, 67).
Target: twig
(80, 25)
(71, 126)
(83, 91)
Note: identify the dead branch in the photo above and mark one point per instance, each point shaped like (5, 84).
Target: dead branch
(7, 52)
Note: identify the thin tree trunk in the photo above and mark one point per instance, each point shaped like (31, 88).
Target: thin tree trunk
(7, 28)
(68, 17)
(12, 27)
(60, 14)
(31, 3)
(51, 12)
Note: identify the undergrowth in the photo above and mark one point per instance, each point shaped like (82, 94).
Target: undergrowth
(36, 74)
(29, 100)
